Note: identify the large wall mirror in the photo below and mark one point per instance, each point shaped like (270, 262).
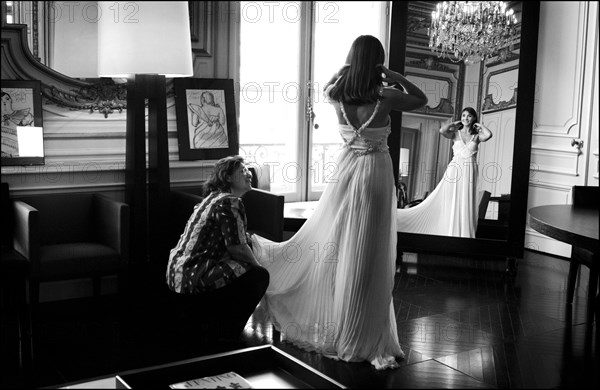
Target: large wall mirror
(55, 42)
(501, 90)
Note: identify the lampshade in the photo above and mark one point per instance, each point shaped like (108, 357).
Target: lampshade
(404, 156)
(144, 37)
(75, 48)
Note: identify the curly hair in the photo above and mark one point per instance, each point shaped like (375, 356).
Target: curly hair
(224, 169)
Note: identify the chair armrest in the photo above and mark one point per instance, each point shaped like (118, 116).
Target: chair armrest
(181, 207)
(484, 200)
(112, 224)
(26, 232)
(264, 212)
(186, 200)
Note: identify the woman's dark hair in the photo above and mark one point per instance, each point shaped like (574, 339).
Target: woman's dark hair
(224, 169)
(359, 82)
(473, 113)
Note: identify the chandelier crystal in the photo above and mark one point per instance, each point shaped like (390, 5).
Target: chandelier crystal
(471, 31)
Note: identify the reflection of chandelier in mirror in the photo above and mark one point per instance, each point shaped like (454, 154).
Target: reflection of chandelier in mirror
(471, 30)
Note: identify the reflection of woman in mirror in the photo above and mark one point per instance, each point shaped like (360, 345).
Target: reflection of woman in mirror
(208, 120)
(451, 208)
(12, 118)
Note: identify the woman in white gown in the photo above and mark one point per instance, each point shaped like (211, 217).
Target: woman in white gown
(331, 284)
(451, 208)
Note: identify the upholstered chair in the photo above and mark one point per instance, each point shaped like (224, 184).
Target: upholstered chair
(264, 212)
(14, 311)
(71, 236)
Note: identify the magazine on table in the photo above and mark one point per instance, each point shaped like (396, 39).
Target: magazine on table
(227, 380)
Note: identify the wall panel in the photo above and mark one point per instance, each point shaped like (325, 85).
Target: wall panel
(566, 83)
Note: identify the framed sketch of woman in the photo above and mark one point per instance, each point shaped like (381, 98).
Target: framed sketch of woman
(206, 120)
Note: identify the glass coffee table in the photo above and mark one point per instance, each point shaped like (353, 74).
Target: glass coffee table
(264, 367)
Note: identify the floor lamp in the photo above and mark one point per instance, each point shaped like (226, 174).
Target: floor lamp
(146, 42)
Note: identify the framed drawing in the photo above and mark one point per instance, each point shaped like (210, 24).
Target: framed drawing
(22, 134)
(206, 120)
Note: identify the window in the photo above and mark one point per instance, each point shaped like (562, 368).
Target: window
(288, 51)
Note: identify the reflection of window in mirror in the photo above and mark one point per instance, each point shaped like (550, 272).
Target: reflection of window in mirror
(409, 144)
(36, 15)
(75, 26)
(62, 35)
(9, 12)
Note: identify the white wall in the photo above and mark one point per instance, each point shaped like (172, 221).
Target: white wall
(564, 110)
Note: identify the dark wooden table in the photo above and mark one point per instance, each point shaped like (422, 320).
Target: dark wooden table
(577, 226)
(572, 225)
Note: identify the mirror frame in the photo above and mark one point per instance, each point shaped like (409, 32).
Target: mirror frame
(477, 247)
(100, 95)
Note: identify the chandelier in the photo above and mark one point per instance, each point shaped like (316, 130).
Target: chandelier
(471, 31)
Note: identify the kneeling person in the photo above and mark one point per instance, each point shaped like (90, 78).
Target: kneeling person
(213, 259)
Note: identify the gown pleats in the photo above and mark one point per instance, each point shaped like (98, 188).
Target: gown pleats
(331, 283)
(451, 208)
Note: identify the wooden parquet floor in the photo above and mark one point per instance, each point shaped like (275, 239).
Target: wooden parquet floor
(463, 323)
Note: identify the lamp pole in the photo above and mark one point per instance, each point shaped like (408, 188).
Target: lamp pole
(147, 187)
(149, 45)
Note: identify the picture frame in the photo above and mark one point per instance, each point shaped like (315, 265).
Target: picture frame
(206, 118)
(22, 133)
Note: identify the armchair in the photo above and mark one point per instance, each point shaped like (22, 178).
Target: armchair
(70, 236)
(495, 229)
(14, 314)
(264, 212)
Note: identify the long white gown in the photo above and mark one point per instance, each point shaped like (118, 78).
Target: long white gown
(451, 208)
(331, 283)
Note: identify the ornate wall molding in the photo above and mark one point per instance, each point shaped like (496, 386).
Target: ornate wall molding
(559, 100)
(505, 55)
(488, 104)
(427, 66)
(444, 108)
(18, 63)
(103, 96)
(428, 62)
